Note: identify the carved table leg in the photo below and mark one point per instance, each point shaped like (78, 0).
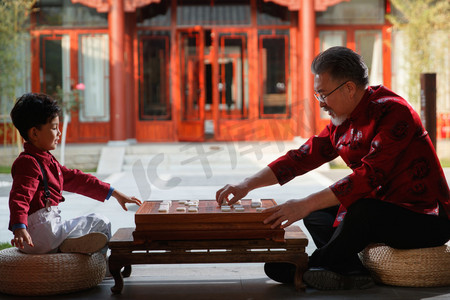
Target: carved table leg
(115, 268)
(126, 271)
(298, 279)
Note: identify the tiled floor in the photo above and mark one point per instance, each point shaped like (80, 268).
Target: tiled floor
(228, 282)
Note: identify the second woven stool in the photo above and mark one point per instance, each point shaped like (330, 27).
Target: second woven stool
(424, 267)
(49, 274)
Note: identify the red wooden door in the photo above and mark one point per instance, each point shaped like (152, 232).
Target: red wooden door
(192, 85)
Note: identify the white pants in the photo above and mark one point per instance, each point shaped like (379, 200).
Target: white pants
(48, 231)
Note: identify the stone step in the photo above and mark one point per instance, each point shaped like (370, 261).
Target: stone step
(201, 156)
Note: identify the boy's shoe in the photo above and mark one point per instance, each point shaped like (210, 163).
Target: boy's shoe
(86, 244)
(322, 279)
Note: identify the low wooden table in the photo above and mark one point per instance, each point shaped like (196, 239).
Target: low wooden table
(208, 222)
(126, 252)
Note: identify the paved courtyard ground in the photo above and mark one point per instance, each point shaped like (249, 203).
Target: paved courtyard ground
(159, 176)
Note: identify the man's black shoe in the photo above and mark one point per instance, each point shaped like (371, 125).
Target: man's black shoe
(322, 279)
(280, 272)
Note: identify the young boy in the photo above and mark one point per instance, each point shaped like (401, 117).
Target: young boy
(38, 182)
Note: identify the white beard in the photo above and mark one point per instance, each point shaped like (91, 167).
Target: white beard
(338, 120)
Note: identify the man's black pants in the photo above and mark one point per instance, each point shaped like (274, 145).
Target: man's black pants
(371, 221)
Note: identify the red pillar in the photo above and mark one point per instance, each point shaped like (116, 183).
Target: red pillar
(116, 20)
(307, 28)
(130, 23)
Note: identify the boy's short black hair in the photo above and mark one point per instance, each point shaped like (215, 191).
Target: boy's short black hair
(33, 110)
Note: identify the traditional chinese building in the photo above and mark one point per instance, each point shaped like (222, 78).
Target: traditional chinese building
(198, 70)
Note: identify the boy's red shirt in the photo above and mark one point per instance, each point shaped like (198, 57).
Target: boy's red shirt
(27, 192)
(389, 151)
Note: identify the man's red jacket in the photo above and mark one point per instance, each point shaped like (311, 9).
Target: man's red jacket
(388, 149)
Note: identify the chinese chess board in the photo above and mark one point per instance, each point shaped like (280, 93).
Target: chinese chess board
(204, 219)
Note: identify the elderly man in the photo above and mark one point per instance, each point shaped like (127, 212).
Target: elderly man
(397, 193)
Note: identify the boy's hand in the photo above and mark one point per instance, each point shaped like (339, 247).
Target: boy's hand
(122, 199)
(21, 235)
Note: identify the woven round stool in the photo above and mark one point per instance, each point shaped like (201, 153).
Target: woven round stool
(424, 267)
(49, 274)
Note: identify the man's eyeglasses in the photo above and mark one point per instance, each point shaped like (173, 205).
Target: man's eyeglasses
(321, 98)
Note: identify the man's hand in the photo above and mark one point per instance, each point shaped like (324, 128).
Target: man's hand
(265, 177)
(21, 236)
(287, 213)
(122, 199)
(239, 191)
(296, 209)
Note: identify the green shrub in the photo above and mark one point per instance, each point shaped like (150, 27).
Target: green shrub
(5, 245)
